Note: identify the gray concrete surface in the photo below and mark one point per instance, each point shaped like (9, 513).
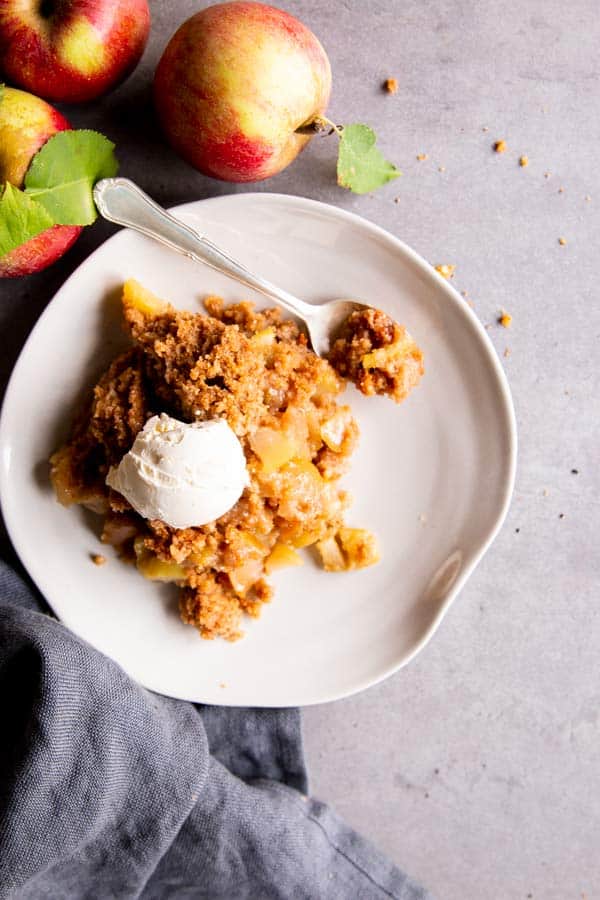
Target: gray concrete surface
(477, 768)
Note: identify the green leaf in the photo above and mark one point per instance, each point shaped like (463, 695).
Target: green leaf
(21, 219)
(361, 166)
(63, 172)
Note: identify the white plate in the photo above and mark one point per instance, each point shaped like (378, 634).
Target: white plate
(432, 477)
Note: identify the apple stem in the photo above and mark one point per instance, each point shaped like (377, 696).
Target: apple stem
(46, 9)
(319, 125)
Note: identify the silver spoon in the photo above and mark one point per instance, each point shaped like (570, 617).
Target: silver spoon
(120, 200)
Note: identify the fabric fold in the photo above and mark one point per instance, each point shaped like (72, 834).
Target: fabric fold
(110, 791)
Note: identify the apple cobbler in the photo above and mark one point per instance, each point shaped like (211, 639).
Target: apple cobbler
(256, 371)
(377, 354)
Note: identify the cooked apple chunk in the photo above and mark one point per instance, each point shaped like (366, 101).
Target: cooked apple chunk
(377, 354)
(350, 548)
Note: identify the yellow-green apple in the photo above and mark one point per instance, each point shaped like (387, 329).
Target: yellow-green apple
(71, 50)
(26, 123)
(235, 83)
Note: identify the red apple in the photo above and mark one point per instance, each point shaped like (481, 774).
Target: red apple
(71, 50)
(26, 122)
(234, 84)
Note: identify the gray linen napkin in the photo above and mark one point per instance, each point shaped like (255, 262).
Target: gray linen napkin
(110, 791)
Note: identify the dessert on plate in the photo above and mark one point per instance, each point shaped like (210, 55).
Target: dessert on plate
(214, 445)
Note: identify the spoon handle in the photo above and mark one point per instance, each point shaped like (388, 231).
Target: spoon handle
(121, 201)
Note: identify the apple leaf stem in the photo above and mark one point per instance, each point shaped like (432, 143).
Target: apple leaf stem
(319, 125)
(361, 167)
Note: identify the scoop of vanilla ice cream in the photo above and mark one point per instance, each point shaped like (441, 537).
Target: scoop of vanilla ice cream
(184, 474)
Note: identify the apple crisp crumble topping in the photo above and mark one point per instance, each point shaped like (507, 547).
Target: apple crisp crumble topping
(377, 354)
(256, 371)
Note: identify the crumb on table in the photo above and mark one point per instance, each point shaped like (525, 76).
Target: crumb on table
(98, 559)
(500, 146)
(505, 320)
(523, 161)
(390, 85)
(446, 270)
(562, 241)
(422, 156)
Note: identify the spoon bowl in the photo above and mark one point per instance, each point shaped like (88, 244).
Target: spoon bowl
(326, 321)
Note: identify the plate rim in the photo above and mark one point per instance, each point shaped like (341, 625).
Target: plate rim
(491, 357)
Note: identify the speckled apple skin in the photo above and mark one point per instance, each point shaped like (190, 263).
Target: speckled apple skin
(76, 53)
(26, 123)
(234, 83)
